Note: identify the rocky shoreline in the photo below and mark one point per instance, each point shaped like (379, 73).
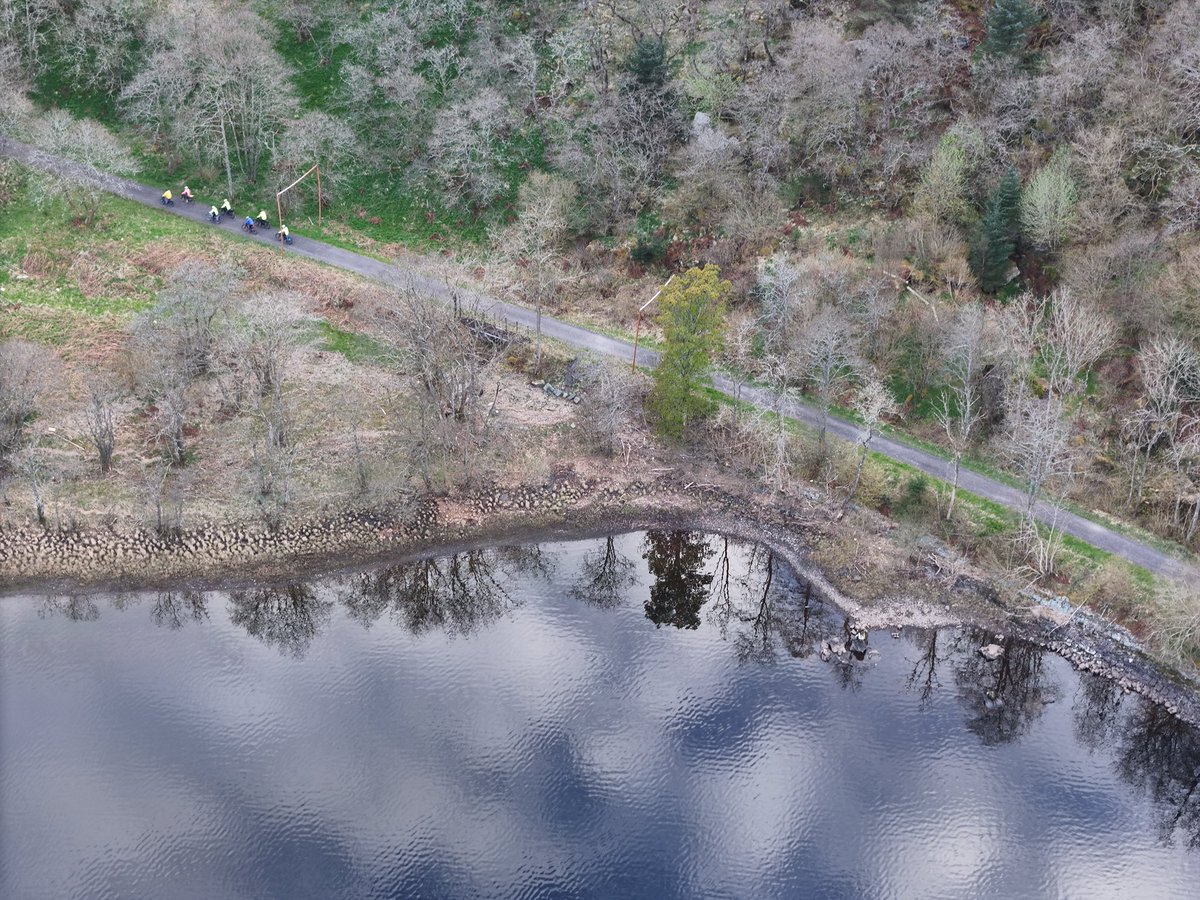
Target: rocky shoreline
(39, 560)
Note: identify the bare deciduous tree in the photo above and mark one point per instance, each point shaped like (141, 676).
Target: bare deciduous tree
(1170, 370)
(608, 404)
(217, 101)
(873, 404)
(189, 318)
(170, 392)
(961, 408)
(531, 243)
(1077, 336)
(19, 388)
(1037, 446)
(99, 155)
(24, 22)
(316, 138)
(260, 341)
(100, 39)
(829, 361)
(34, 468)
(446, 415)
(466, 149)
(101, 423)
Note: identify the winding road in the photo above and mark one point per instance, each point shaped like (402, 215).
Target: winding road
(1094, 533)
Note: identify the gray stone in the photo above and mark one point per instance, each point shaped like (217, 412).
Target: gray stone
(991, 651)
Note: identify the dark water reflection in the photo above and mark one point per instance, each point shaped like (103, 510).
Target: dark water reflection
(508, 722)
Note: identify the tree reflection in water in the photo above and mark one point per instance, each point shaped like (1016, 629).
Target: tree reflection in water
(1098, 711)
(173, 609)
(286, 617)
(677, 560)
(76, 607)
(755, 603)
(1005, 695)
(455, 593)
(1161, 755)
(767, 613)
(923, 677)
(605, 574)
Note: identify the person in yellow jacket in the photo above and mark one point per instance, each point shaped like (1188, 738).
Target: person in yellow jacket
(166, 198)
(214, 213)
(226, 208)
(261, 218)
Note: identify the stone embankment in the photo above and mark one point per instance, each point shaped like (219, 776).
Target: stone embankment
(31, 554)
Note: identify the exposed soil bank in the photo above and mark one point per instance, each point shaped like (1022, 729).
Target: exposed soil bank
(43, 561)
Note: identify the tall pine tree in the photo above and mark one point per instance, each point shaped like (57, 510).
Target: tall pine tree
(1008, 25)
(647, 63)
(997, 237)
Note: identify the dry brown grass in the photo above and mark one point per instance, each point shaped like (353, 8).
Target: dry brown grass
(328, 289)
(98, 273)
(76, 335)
(1176, 621)
(164, 258)
(39, 263)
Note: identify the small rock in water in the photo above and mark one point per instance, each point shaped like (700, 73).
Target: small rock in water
(991, 651)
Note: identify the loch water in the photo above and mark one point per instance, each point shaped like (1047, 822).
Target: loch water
(647, 715)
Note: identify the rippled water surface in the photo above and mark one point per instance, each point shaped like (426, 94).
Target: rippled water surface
(646, 716)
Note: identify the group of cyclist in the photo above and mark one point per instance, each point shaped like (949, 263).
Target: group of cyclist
(215, 213)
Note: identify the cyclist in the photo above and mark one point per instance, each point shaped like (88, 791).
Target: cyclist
(285, 234)
(261, 219)
(214, 213)
(166, 198)
(226, 209)
(186, 194)
(248, 225)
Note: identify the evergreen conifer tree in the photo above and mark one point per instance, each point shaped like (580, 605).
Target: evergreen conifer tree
(1008, 25)
(647, 63)
(1007, 199)
(997, 237)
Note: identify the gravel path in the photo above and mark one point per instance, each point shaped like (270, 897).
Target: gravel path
(1093, 533)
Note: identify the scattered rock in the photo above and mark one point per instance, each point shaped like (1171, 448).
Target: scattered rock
(991, 651)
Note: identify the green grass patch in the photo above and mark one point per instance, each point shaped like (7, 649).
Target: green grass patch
(1085, 551)
(317, 65)
(358, 348)
(52, 88)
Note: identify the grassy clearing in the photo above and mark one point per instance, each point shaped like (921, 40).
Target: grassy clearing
(356, 347)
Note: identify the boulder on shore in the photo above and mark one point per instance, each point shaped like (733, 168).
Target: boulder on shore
(991, 651)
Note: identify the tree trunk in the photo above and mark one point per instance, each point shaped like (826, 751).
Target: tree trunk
(537, 365)
(225, 151)
(956, 467)
(862, 460)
